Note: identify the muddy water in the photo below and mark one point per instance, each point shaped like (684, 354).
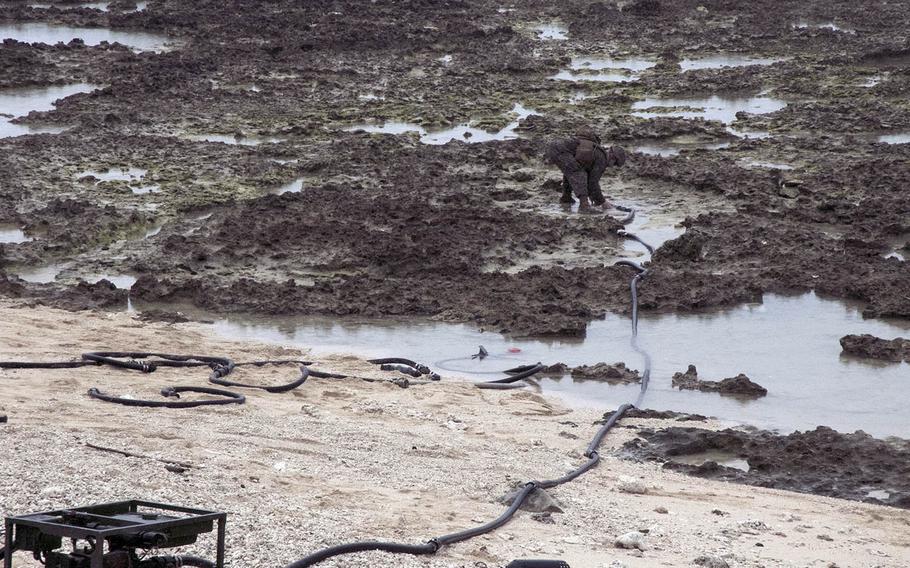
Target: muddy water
(12, 234)
(37, 32)
(552, 31)
(723, 109)
(821, 25)
(720, 61)
(17, 103)
(241, 140)
(462, 132)
(787, 344)
(903, 138)
(675, 146)
(133, 176)
(604, 69)
(102, 6)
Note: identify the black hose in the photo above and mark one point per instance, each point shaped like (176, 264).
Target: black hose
(49, 365)
(189, 560)
(591, 453)
(228, 398)
(304, 374)
(365, 546)
(420, 368)
(525, 372)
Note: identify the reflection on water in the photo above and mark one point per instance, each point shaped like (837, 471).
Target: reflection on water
(604, 69)
(102, 6)
(675, 145)
(720, 61)
(234, 139)
(552, 31)
(38, 32)
(122, 281)
(11, 234)
(133, 176)
(903, 138)
(15, 103)
(807, 24)
(720, 458)
(295, 186)
(723, 109)
(790, 345)
(751, 164)
(462, 133)
(37, 274)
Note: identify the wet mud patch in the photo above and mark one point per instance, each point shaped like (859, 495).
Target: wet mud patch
(822, 462)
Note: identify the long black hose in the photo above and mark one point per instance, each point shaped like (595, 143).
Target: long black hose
(591, 453)
(229, 397)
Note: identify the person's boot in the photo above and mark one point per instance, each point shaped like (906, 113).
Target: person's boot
(567, 195)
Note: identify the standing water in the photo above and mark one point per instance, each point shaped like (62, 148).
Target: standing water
(788, 344)
(723, 109)
(15, 103)
(38, 32)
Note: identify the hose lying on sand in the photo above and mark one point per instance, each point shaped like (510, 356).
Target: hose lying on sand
(221, 367)
(593, 457)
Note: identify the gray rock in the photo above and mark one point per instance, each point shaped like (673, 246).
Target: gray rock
(631, 540)
(711, 561)
(539, 501)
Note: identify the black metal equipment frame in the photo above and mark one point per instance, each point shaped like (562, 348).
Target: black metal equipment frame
(116, 519)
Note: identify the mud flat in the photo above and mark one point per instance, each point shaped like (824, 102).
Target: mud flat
(341, 460)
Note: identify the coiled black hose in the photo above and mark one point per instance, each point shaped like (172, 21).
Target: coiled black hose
(591, 453)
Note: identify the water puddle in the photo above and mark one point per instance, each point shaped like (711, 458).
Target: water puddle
(295, 186)
(871, 82)
(749, 163)
(462, 132)
(902, 138)
(723, 109)
(11, 234)
(879, 494)
(16, 103)
(900, 248)
(132, 176)
(604, 69)
(552, 32)
(38, 274)
(725, 459)
(445, 60)
(102, 6)
(788, 344)
(122, 281)
(653, 228)
(676, 145)
(721, 61)
(235, 139)
(38, 32)
(577, 97)
(152, 231)
(803, 24)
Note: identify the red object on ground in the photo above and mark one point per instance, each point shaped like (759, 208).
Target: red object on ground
(514, 350)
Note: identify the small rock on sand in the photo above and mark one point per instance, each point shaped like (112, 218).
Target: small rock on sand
(631, 540)
(711, 561)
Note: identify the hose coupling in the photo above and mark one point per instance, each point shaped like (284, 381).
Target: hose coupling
(169, 392)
